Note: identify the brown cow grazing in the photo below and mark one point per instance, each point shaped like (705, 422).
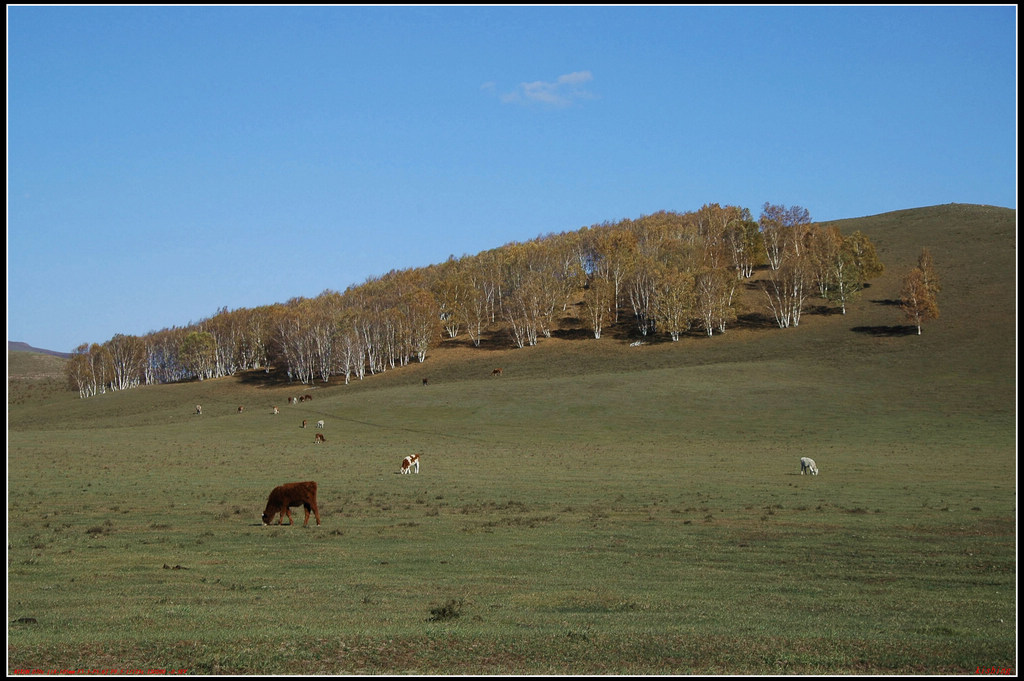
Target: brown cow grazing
(289, 495)
(424, 381)
(309, 397)
(241, 409)
(496, 372)
(276, 411)
(303, 423)
(319, 438)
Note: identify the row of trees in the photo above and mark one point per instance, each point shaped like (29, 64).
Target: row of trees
(665, 273)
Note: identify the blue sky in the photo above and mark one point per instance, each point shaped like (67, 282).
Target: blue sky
(165, 162)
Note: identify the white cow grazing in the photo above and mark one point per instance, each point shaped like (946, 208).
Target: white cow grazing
(808, 465)
(409, 463)
(320, 424)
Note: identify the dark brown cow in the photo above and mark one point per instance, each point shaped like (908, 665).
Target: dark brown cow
(289, 495)
(496, 372)
(319, 438)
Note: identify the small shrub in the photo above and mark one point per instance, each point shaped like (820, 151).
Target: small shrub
(449, 611)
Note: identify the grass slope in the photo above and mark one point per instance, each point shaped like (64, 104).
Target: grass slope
(596, 509)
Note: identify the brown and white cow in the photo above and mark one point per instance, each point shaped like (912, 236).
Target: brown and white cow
(303, 423)
(319, 438)
(241, 409)
(199, 409)
(290, 495)
(496, 372)
(276, 410)
(409, 463)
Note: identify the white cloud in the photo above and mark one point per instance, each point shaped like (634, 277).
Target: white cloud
(561, 92)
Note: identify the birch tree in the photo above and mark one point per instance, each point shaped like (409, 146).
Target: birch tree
(786, 290)
(783, 230)
(80, 372)
(198, 354)
(745, 244)
(926, 264)
(675, 302)
(474, 308)
(917, 298)
(713, 298)
(641, 288)
(597, 304)
(127, 358)
(615, 251)
(451, 288)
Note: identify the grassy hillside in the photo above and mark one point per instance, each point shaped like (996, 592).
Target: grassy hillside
(34, 376)
(596, 509)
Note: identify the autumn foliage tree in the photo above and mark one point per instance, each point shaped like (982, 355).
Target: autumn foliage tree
(126, 356)
(783, 231)
(86, 370)
(841, 265)
(198, 354)
(918, 295)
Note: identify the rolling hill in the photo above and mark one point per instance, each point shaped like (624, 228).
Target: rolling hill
(17, 346)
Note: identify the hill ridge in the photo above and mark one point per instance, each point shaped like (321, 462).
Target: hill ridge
(18, 346)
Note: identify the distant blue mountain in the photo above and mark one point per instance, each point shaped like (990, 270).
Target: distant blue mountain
(14, 346)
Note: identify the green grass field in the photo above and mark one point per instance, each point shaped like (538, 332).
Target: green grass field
(597, 509)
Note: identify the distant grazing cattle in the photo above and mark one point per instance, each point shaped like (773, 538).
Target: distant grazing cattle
(319, 438)
(292, 400)
(320, 424)
(496, 372)
(290, 495)
(199, 409)
(241, 409)
(409, 463)
(276, 411)
(808, 465)
(308, 397)
(303, 423)
(424, 381)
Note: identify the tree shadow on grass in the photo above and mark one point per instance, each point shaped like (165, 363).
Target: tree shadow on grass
(268, 378)
(755, 320)
(884, 331)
